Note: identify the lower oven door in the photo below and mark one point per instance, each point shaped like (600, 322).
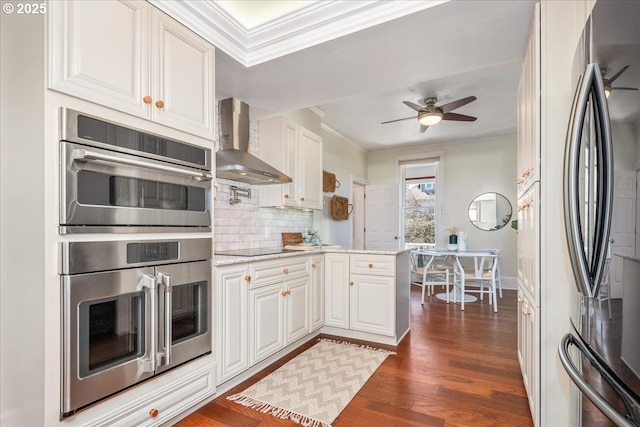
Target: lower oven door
(108, 336)
(184, 301)
(105, 188)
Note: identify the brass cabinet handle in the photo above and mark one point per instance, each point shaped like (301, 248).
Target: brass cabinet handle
(350, 283)
(147, 99)
(247, 278)
(160, 104)
(285, 271)
(154, 413)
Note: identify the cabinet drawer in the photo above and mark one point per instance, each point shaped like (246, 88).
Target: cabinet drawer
(263, 273)
(380, 265)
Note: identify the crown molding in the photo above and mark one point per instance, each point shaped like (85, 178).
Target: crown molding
(314, 24)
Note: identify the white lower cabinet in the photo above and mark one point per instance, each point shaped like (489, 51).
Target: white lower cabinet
(232, 320)
(370, 305)
(316, 310)
(279, 315)
(528, 345)
(360, 293)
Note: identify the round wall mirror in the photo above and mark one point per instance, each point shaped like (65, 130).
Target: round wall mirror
(490, 211)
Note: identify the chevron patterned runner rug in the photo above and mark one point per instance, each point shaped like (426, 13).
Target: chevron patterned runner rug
(315, 386)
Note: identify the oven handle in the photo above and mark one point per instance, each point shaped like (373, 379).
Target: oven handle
(165, 279)
(88, 155)
(149, 361)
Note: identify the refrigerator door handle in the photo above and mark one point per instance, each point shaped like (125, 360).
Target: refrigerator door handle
(588, 264)
(592, 394)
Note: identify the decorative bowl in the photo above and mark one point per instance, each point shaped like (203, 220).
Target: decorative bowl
(452, 247)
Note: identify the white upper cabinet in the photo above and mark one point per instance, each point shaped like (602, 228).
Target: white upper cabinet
(128, 56)
(297, 152)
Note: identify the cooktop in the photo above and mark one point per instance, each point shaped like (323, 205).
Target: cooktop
(251, 252)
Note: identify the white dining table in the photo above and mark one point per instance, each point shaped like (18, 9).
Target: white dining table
(478, 255)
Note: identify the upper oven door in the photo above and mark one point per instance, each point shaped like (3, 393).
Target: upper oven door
(105, 188)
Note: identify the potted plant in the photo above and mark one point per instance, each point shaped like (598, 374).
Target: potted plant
(453, 237)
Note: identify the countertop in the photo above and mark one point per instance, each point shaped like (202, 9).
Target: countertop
(222, 260)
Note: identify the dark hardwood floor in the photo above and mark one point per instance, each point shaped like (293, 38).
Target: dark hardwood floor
(453, 369)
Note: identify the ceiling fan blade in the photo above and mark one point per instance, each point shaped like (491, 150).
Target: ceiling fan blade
(616, 75)
(457, 104)
(458, 117)
(624, 88)
(414, 106)
(398, 120)
(423, 128)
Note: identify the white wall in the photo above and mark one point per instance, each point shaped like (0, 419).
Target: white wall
(22, 210)
(624, 146)
(470, 169)
(345, 159)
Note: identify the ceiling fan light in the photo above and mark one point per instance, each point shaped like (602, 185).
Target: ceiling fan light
(430, 118)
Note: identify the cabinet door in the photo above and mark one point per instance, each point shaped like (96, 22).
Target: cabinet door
(528, 348)
(336, 287)
(372, 309)
(183, 76)
(99, 51)
(529, 242)
(309, 172)
(316, 310)
(266, 308)
(231, 290)
(278, 141)
(297, 309)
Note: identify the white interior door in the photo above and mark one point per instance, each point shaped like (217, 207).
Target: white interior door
(357, 216)
(382, 220)
(623, 226)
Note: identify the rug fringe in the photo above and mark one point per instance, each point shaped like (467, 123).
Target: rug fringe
(368, 347)
(276, 411)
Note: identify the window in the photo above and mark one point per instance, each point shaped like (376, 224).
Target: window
(420, 217)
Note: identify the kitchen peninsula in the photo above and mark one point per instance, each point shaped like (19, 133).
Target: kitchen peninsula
(269, 304)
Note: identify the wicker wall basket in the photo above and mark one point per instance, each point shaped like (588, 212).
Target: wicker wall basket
(329, 181)
(340, 208)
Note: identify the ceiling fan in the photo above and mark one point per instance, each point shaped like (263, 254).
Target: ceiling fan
(607, 82)
(430, 114)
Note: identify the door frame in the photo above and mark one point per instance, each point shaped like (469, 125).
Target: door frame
(358, 205)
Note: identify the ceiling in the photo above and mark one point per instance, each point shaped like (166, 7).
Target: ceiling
(354, 62)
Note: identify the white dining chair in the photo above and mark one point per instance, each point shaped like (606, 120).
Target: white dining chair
(431, 271)
(476, 279)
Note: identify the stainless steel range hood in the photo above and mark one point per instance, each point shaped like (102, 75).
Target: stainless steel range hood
(233, 160)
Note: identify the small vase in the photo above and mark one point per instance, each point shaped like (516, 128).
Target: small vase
(453, 239)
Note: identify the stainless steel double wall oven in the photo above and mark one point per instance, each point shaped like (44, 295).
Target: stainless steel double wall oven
(131, 308)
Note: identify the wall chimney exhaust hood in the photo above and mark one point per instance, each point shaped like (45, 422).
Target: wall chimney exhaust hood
(233, 160)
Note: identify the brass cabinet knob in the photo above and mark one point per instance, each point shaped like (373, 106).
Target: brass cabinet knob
(154, 413)
(146, 99)
(283, 293)
(519, 181)
(159, 104)
(313, 265)
(288, 291)
(302, 199)
(247, 278)
(350, 283)
(370, 265)
(285, 271)
(526, 311)
(286, 196)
